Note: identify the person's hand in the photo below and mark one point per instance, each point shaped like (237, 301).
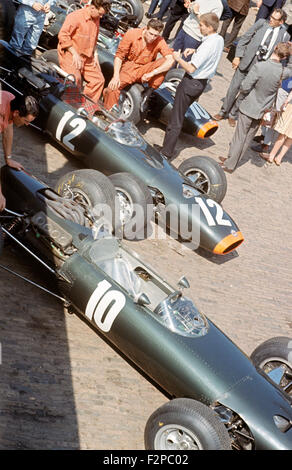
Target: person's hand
(259, 3)
(235, 62)
(95, 59)
(176, 55)
(196, 8)
(76, 60)
(46, 7)
(188, 51)
(146, 77)
(187, 3)
(2, 202)
(38, 6)
(114, 83)
(14, 164)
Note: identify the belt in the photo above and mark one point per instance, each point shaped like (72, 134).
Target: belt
(203, 80)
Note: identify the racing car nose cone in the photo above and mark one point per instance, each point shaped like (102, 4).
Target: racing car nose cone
(229, 243)
(207, 129)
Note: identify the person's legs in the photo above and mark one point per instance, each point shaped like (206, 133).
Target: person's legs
(225, 26)
(92, 74)
(32, 37)
(187, 92)
(232, 93)
(152, 7)
(244, 133)
(24, 19)
(238, 21)
(285, 147)
(163, 8)
(66, 63)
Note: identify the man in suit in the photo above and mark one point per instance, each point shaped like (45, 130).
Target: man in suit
(256, 45)
(267, 6)
(259, 89)
(239, 10)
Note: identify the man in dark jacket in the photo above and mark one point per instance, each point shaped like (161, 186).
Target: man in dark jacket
(254, 46)
(239, 10)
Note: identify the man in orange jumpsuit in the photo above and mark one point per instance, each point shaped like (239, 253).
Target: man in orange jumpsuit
(136, 61)
(77, 48)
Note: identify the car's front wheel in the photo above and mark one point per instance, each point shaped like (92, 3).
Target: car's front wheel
(185, 424)
(207, 176)
(135, 205)
(274, 357)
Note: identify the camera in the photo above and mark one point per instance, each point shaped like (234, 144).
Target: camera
(262, 50)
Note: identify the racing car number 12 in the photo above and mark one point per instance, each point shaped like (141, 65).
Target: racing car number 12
(104, 305)
(78, 125)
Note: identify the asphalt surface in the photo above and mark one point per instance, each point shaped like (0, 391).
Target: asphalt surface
(61, 385)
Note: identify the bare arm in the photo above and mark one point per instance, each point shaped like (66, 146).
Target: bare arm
(7, 139)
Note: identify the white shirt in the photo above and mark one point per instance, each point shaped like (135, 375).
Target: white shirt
(191, 24)
(207, 56)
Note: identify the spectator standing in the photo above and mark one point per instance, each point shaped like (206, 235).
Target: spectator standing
(199, 70)
(28, 25)
(19, 112)
(178, 12)
(267, 6)
(77, 50)
(190, 36)
(240, 9)
(259, 89)
(284, 140)
(255, 45)
(136, 61)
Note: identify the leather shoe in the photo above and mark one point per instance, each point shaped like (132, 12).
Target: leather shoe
(148, 15)
(231, 122)
(218, 117)
(259, 138)
(227, 170)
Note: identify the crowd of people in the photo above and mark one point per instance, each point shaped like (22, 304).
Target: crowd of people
(262, 66)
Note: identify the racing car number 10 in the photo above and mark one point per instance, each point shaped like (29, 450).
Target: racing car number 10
(104, 305)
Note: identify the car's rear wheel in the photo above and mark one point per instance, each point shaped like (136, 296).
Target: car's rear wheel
(207, 176)
(130, 102)
(274, 357)
(120, 8)
(135, 205)
(92, 190)
(51, 56)
(174, 76)
(185, 424)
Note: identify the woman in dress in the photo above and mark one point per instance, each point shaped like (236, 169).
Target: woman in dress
(284, 140)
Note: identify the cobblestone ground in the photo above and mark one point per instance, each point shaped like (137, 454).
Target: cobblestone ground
(61, 385)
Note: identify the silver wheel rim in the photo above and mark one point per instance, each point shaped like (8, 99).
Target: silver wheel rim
(78, 196)
(126, 105)
(272, 363)
(200, 179)
(125, 206)
(176, 437)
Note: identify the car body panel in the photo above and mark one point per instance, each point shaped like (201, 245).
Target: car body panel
(202, 364)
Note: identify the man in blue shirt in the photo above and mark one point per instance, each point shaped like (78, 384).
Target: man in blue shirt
(28, 25)
(199, 70)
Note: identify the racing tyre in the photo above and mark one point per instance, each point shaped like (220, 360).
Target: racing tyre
(174, 76)
(51, 56)
(92, 190)
(120, 8)
(130, 102)
(274, 357)
(207, 176)
(135, 205)
(185, 424)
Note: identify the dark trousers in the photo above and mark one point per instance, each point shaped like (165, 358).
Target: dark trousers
(187, 92)
(238, 20)
(177, 13)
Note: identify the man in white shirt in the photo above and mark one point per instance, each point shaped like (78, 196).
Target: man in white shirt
(199, 70)
(190, 35)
